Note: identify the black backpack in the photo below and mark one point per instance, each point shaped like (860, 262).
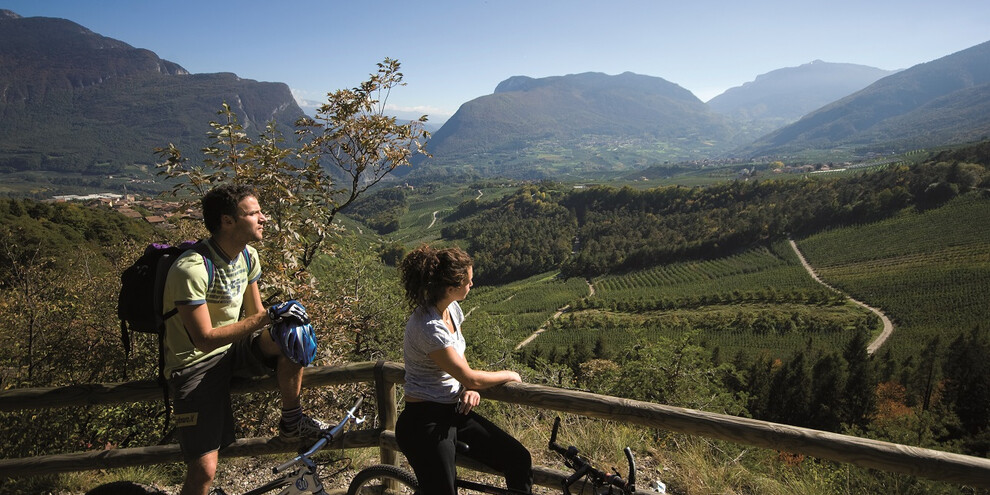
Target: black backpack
(139, 305)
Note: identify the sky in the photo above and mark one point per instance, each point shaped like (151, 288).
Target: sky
(452, 52)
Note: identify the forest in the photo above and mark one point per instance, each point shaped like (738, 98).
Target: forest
(614, 230)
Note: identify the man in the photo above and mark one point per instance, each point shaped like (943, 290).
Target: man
(209, 342)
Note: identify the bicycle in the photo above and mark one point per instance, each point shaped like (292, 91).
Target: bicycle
(387, 479)
(297, 476)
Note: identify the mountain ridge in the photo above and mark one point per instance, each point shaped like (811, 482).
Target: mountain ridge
(782, 96)
(72, 100)
(853, 121)
(563, 115)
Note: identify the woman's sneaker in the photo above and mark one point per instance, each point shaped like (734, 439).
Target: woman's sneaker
(306, 429)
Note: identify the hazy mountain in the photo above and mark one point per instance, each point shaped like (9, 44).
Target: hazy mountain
(578, 122)
(783, 96)
(945, 101)
(73, 100)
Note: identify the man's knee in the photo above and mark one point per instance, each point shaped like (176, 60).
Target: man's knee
(201, 472)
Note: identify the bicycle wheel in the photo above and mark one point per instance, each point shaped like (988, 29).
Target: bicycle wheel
(383, 479)
(124, 488)
(270, 486)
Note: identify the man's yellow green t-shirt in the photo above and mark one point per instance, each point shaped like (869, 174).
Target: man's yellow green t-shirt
(188, 282)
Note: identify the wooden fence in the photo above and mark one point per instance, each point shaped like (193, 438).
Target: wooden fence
(926, 463)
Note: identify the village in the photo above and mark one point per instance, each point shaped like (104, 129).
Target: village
(153, 210)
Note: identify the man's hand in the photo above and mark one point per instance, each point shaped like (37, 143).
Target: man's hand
(289, 309)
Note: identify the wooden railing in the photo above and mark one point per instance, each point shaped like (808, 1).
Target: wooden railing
(926, 463)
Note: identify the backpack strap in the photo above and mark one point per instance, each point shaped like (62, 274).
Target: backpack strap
(247, 259)
(162, 380)
(204, 251)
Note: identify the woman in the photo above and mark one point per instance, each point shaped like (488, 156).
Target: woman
(441, 389)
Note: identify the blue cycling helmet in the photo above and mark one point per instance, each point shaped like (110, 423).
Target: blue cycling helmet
(298, 342)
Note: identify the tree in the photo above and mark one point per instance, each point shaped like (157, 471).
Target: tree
(967, 388)
(860, 393)
(351, 138)
(827, 381)
(789, 394)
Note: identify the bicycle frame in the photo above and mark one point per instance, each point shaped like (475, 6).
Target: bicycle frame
(300, 473)
(582, 468)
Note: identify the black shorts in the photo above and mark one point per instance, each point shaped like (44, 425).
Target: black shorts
(200, 394)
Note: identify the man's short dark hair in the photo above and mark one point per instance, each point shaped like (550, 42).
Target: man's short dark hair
(223, 200)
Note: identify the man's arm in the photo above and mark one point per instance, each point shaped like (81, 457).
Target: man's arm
(252, 300)
(196, 319)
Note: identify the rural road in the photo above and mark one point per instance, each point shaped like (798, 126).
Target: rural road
(591, 292)
(888, 327)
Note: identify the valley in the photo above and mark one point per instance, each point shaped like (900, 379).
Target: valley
(812, 250)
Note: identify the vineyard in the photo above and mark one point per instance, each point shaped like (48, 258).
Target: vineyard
(929, 271)
(764, 274)
(761, 300)
(524, 306)
(774, 329)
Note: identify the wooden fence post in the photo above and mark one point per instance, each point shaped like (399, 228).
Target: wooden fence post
(387, 411)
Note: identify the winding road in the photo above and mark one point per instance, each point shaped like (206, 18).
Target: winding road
(888, 327)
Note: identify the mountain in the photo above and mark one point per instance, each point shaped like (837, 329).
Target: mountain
(945, 101)
(74, 101)
(783, 96)
(577, 123)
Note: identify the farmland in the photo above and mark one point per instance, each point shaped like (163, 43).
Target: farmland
(929, 271)
(760, 300)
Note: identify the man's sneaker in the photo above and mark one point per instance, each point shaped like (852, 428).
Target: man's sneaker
(307, 429)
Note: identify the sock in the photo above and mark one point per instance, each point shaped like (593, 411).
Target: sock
(291, 417)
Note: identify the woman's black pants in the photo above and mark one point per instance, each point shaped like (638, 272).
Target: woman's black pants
(427, 431)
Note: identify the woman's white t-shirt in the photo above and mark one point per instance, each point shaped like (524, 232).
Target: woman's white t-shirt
(425, 333)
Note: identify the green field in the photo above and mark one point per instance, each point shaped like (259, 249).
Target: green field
(928, 271)
(417, 225)
(762, 274)
(761, 300)
(523, 307)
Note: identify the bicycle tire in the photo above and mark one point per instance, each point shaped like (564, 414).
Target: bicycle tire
(270, 486)
(372, 480)
(124, 488)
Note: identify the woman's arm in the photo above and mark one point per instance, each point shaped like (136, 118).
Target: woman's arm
(454, 364)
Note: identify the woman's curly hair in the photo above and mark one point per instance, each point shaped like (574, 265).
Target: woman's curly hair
(427, 273)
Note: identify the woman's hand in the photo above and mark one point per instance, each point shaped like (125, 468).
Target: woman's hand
(469, 399)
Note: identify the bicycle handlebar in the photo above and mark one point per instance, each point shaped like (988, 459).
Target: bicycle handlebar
(584, 468)
(326, 438)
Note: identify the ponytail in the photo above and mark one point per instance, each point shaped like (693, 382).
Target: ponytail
(427, 273)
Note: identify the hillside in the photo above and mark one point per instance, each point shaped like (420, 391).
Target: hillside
(667, 334)
(782, 96)
(945, 101)
(581, 122)
(74, 101)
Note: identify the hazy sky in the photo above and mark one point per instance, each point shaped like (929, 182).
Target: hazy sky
(454, 51)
